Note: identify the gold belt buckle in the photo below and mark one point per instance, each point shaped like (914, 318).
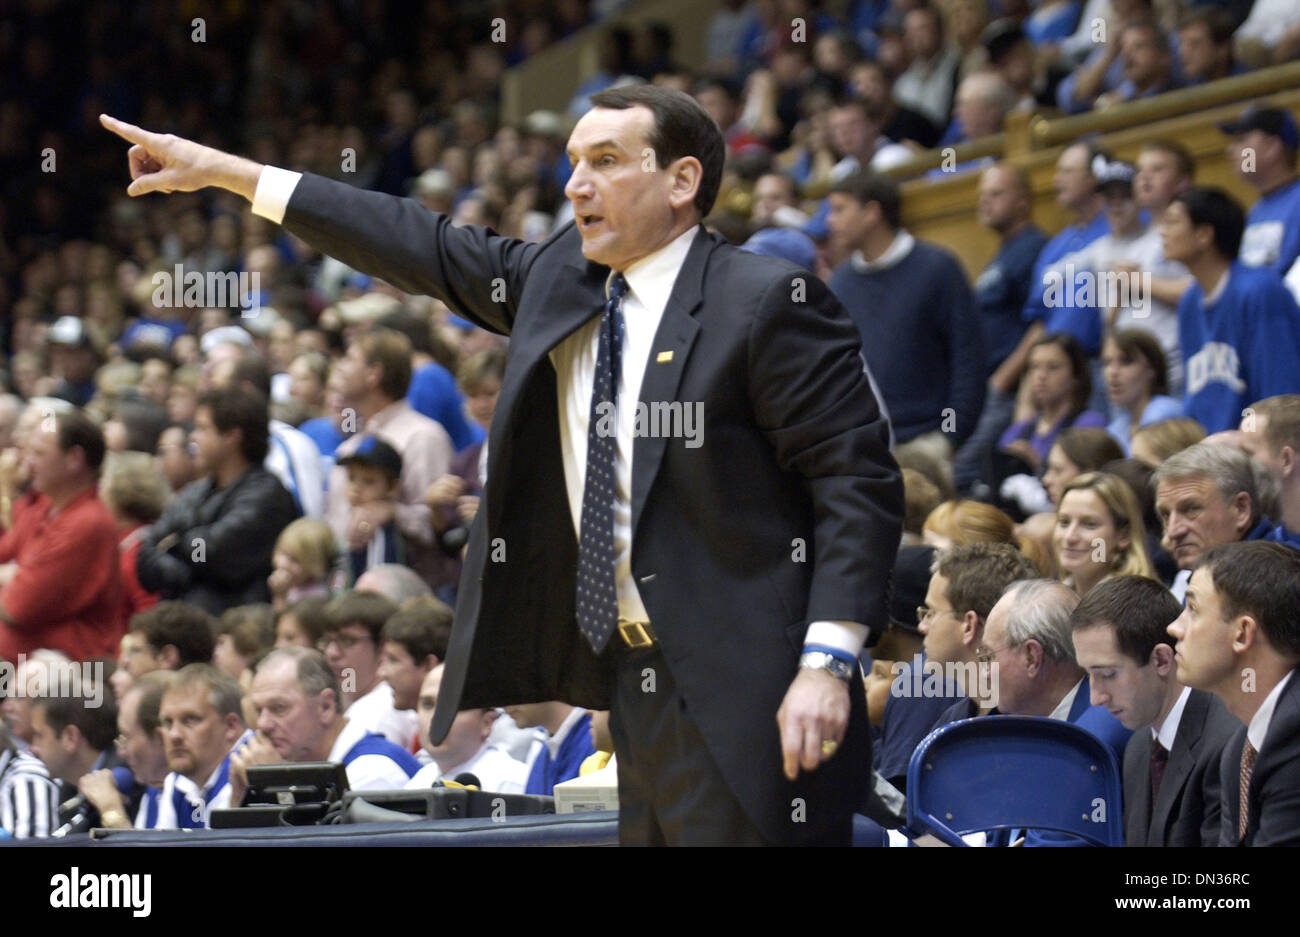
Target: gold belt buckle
(636, 634)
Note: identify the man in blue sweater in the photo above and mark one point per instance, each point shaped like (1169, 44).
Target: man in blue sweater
(1051, 297)
(912, 305)
(1239, 327)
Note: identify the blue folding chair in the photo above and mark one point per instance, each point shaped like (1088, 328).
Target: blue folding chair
(1014, 772)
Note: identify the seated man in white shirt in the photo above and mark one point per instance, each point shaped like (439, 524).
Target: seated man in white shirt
(202, 721)
(465, 750)
(352, 648)
(300, 718)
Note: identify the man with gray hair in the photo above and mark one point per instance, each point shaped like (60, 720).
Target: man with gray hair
(1029, 644)
(300, 718)
(1027, 639)
(393, 581)
(1208, 495)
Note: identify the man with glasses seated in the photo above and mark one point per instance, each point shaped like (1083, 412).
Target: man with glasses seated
(352, 648)
(140, 743)
(1028, 643)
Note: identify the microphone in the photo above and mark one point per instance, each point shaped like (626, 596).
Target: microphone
(78, 809)
(465, 779)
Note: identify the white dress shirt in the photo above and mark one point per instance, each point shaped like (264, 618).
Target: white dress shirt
(1257, 731)
(1062, 710)
(1169, 728)
(650, 283)
(497, 772)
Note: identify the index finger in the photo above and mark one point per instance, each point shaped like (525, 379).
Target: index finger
(129, 132)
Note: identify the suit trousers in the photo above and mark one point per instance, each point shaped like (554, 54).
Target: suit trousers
(670, 791)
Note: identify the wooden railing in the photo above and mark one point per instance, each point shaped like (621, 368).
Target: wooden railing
(943, 210)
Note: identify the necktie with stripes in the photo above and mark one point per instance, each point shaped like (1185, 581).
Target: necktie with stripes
(1247, 768)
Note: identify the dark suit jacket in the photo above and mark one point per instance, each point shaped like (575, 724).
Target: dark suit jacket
(1273, 801)
(1186, 811)
(789, 511)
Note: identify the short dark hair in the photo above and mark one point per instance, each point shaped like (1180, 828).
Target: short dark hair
(185, 627)
(1139, 343)
(1215, 20)
(422, 626)
(1213, 206)
(143, 420)
(251, 627)
(74, 428)
(1181, 156)
(1261, 579)
(682, 127)
(1158, 36)
(1088, 447)
(242, 408)
(1136, 608)
(391, 350)
(96, 723)
(312, 615)
(361, 608)
(151, 687)
(253, 369)
(866, 186)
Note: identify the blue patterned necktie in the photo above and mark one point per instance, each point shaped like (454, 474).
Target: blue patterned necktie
(597, 596)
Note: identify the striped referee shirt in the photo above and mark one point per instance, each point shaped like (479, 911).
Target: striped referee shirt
(29, 800)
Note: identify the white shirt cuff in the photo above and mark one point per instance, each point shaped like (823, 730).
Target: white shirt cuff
(274, 187)
(847, 636)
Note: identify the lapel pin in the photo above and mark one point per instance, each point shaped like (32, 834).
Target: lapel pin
(663, 357)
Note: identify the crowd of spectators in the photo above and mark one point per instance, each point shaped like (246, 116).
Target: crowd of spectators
(254, 509)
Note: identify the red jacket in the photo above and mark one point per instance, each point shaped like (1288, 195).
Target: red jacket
(67, 591)
(135, 598)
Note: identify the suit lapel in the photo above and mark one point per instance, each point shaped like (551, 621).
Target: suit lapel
(572, 299)
(1181, 759)
(1138, 790)
(676, 334)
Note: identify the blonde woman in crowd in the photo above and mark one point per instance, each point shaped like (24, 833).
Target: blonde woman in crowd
(1099, 532)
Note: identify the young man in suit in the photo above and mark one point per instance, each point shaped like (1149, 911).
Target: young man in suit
(1171, 763)
(1239, 638)
(713, 591)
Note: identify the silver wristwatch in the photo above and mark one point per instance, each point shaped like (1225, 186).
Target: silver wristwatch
(820, 660)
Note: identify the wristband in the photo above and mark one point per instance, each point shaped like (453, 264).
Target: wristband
(837, 653)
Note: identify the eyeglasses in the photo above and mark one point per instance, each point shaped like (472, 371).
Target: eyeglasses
(987, 655)
(346, 642)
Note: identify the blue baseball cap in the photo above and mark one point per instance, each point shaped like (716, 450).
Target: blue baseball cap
(1273, 121)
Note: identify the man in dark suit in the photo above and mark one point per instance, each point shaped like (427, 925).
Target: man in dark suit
(702, 587)
(1171, 763)
(1239, 638)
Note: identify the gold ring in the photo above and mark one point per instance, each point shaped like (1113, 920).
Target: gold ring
(829, 747)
